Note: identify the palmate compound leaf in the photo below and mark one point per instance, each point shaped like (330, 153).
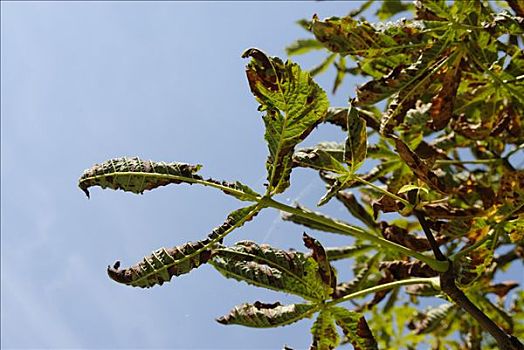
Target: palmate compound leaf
(293, 104)
(136, 175)
(324, 331)
(264, 266)
(355, 328)
(164, 263)
(262, 315)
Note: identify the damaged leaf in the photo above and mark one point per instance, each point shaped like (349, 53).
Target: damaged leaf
(293, 105)
(355, 328)
(165, 263)
(262, 315)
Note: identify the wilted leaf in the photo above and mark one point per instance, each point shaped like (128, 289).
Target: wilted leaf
(401, 236)
(293, 104)
(361, 276)
(326, 272)
(137, 175)
(355, 328)
(318, 159)
(165, 263)
(401, 269)
(443, 103)
(324, 331)
(419, 167)
(261, 315)
(272, 268)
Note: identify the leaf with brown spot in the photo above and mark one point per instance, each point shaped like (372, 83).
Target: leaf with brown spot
(401, 236)
(324, 331)
(293, 104)
(326, 272)
(443, 103)
(401, 269)
(355, 328)
(262, 315)
(164, 263)
(356, 142)
(419, 167)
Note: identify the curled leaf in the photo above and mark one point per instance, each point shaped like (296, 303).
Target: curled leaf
(137, 175)
(164, 263)
(272, 268)
(262, 315)
(326, 272)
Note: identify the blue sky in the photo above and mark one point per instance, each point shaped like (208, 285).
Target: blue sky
(83, 82)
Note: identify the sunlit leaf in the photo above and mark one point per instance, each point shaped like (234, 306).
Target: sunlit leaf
(355, 328)
(324, 331)
(293, 104)
(137, 175)
(356, 142)
(262, 315)
(165, 263)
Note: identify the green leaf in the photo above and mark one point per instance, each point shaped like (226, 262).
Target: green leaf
(407, 188)
(341, 73)
(305, 221)
(390, 8)
(341, 182)
(433, 318)
(346, 252)
(323, 66)
(324, 331)
(303, 46)
(268, 267)
(165, 263)
(136, 175)
(357, 210)
(355, 328)
(356, 141)
(261, 315)
(293, 104)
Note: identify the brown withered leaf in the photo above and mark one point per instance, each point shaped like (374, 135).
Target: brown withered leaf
(443, 103)
(419, 167)
(502, 289)
(446, 211)
(477, 131)
(511, 188)
(517, 6)
(401, 236)
(385, 204)
(404, 269)
(327, 274)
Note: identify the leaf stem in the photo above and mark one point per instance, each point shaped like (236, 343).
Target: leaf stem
(381, 287)
(384, 191)
(439, 266)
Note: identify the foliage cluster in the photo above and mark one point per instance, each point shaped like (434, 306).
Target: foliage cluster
(442, 117)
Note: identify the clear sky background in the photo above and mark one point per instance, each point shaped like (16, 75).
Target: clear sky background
(82, 82)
